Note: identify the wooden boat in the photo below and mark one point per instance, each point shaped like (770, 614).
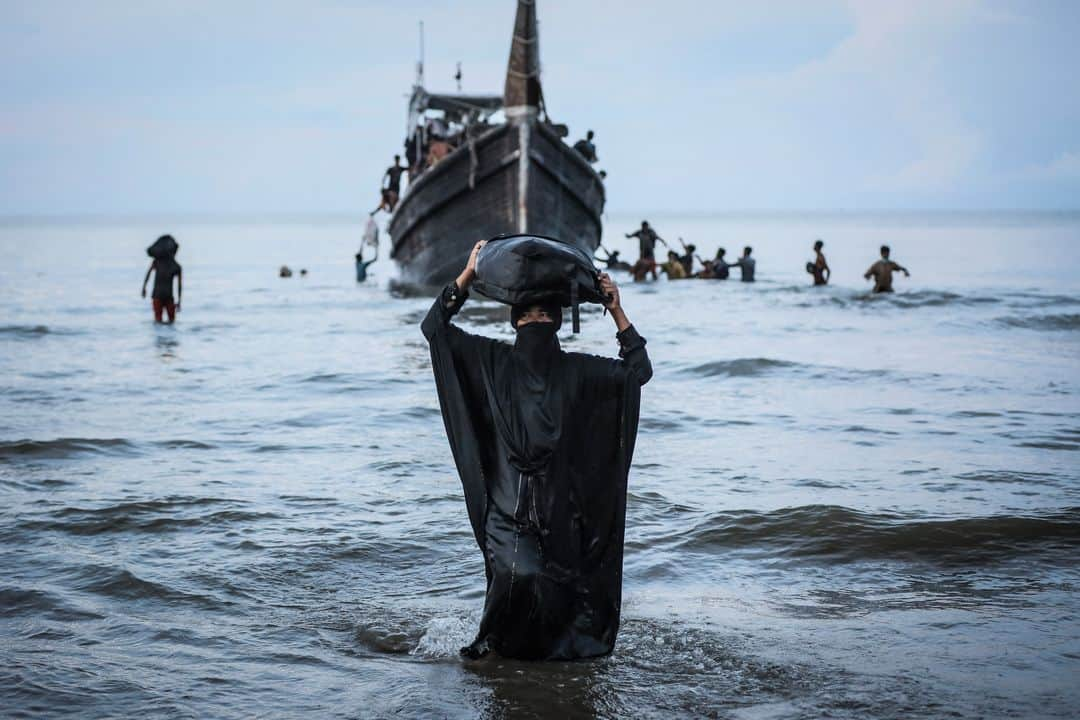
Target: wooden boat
(513, 176)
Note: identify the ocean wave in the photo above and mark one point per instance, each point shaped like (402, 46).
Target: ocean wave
(1009, 476)
(24, 331)
(838, 297)
(330, 378)
(839, 534)
(28, 601)
(1068, 321)
(1036, 299)
(126, 585)
(740, 367)
(927, 298)
(1058, 439)
(806, 296)
(30, 332)
(65, 447)
(183, 445)
(754, 367)
(70, 447)
(154, 516)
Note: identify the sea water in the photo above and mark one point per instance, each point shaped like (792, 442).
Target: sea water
(840, 505)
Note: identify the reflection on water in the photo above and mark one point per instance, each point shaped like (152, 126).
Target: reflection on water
(167, 342)
(841, 505)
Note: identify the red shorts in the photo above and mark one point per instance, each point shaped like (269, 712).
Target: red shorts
(168, 306)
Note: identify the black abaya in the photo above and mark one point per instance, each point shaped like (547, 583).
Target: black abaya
(542, 440)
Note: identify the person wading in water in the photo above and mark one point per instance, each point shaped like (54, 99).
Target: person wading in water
(542, 440)
(165, 268)
(819, 268)
(882, 272)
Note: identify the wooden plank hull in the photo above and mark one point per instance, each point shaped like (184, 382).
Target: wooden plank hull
(517, 178)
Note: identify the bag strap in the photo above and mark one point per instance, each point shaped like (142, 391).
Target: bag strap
(574, 306)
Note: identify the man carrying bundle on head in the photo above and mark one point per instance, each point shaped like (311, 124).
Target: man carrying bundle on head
(542, 440)
(165, 268)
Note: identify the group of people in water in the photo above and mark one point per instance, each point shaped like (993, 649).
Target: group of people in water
(680, 265)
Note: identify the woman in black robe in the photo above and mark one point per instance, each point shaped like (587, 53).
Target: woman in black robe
(542, 440)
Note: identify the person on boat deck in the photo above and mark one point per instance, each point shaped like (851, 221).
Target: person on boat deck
(165, 268)
(647, 239)
(586, 147)
(438, 142)
(673, 268)
(612, 261)
(882, 272)
(820, 268)
(391, 186)
(687, 260)
(437, 150)
(746, 264)
(542, 440)
(412, 155)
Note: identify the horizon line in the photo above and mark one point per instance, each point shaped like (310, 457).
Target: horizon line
(343, 217)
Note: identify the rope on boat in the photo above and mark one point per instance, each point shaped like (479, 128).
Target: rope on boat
(473, 159)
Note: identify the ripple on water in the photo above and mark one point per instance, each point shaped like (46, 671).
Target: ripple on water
(835, 534)
(1058, 322)
(740, 367)
(122, 584)
(34, 332)
(40, 604)
(65, 447)
(165, 515)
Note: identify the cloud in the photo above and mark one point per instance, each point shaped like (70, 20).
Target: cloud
(129, 107)
(1066, 166)
(893, 57)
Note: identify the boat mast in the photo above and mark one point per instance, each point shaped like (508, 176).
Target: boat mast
(420, 63)
(523, 71)
(521, 95)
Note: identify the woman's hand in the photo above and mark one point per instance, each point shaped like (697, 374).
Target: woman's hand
(611, 290)
(471, 264)
(614, 303)
(467, 275)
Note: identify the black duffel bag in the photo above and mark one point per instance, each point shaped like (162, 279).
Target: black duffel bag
(524, 269)
(164, 247)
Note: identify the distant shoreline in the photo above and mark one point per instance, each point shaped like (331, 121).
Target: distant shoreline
(906, 217)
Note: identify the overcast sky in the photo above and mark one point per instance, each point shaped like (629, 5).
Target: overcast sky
(184, 106)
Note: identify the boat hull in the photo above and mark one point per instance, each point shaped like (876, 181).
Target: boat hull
(519, 177)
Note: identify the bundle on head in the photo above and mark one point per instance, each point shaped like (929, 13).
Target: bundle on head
(528, 270)
(164, 248)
